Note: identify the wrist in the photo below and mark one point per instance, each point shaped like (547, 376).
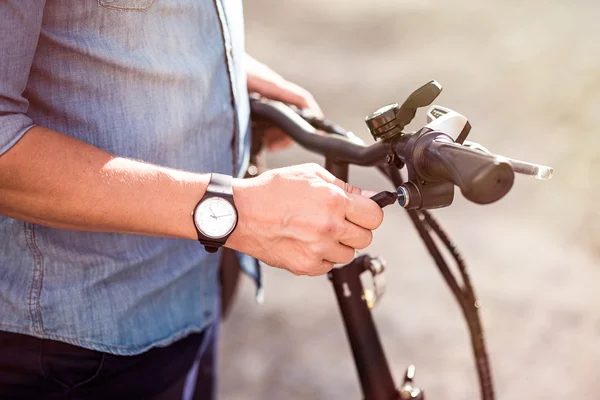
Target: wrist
(192, 190)
(256, 216)
(240, 194)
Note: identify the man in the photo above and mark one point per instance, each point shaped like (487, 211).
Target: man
(121, 124)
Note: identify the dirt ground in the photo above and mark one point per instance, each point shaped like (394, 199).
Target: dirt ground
(527, 74)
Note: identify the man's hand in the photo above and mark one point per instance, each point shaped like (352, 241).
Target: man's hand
(266, 82)
(302, 218)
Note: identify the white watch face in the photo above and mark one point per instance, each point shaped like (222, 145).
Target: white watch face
(215, 217)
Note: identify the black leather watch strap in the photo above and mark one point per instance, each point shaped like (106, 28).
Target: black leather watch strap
(211, 248)
(220, 184)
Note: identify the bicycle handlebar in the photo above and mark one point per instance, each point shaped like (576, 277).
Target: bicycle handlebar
(349, 149)
(432, 156)
(482, 178)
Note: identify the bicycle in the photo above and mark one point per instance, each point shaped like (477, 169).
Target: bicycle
(437, 157)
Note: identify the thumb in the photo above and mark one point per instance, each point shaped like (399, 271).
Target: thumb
(368, 193)
(348, 188)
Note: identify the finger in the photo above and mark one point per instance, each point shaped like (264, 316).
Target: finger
(340, 254)
(330, 178)
(355, 236)
(368, 193)
(276, 139)
(291, 93)
(280, 144)
(271, 134)
(351, 189)
(347, 187)
(300, 97)
(312, 105)
(363, 212)
(324, 268)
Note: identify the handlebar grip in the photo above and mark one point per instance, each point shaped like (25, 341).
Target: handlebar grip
(482, 178)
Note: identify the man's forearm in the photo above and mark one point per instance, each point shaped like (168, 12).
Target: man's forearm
(55, 180)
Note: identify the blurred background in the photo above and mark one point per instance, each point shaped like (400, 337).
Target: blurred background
(527, 75)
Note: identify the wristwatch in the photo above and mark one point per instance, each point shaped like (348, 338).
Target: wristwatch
(215, 215)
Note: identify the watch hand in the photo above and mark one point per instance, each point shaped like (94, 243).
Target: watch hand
(212, 212)
(224, 215)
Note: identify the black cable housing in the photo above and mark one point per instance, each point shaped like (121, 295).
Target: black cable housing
(465, 296)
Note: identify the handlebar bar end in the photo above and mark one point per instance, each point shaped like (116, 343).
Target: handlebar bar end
(490, 183)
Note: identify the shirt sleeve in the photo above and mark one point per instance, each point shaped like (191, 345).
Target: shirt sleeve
(20, 25)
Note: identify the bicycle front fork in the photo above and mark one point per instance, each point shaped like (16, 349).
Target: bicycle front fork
(355, 303)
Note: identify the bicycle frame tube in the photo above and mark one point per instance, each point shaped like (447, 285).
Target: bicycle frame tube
(338, 168)
(371, 364)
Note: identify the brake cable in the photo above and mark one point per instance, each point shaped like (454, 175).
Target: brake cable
(424, 222)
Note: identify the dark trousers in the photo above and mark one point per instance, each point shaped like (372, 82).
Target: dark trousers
(32, 368)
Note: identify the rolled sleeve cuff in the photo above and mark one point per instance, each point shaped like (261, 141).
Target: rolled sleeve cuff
(12, 128)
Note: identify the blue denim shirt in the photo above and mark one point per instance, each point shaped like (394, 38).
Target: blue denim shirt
(156, 80)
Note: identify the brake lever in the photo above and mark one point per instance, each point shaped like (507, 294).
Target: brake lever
(385, 198)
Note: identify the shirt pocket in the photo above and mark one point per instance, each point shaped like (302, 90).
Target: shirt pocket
(127, 5)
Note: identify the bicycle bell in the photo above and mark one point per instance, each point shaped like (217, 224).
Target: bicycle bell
(389, 121)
